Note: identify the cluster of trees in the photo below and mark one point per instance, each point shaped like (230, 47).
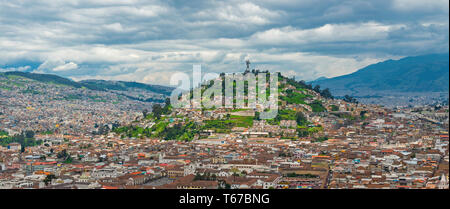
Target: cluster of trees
(350, 99)
(205, 177)
(219, 126)
(302, 84)
(223, 185)
(104, 129)
(158, 110)
(307, 132)
(49, 178)
(321, 139)
(180, 132)
(3, 133)
(285, 154)
(25, 139)
(300, 119)
(363, 114)
(133, 131)
(325, 92)
(317, 106)
(298, 84)
(64, 156)
(334, 108)
(294, 97)
(302, 132)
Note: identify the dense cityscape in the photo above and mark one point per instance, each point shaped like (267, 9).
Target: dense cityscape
(224, 103)
(56, 136)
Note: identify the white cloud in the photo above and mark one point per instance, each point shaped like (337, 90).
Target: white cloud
(421, 5)
(22, 68)
(326, 33)
(241, 13)
(66, 67)
(149, 40)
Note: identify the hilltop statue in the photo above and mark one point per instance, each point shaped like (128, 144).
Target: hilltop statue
(247, 62)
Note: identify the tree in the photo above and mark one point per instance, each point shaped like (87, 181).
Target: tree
(300, 118)
(363, 114)
(166, 109)
(326, 93)
(302, 132)
(29, 134)
(350, 99)
(68, 160)
(145, 112)
(49, 178)
(63, 154)
(157, 110)
(197, 177)
(334, 108)
(317, 88)
(257, 114)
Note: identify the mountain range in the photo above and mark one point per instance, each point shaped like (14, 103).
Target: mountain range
(409, 75)
(98, 85)
(426, 73)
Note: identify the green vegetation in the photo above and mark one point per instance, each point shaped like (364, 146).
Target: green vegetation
(47, 78)
(31, 91)
(205, 177)
(350, 99)
(345, 116)
(317, 106)
(124, 86)
(48, 132)
(219, 126)
(26, 139)
(49, 178)
(72, 97)
(133, 131)
(363, 114)
(303, 131)
(181, 132)
(225, 126)
(334, 108)
(300, 118)
(321, 139)
(293, 97)
(184, 132)
(285, 114)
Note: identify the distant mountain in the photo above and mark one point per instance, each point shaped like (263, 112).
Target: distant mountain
(125, 85)
(99, 85)
(318, 79)
(427, 73)
(44, 78)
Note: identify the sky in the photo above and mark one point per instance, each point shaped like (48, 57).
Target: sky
(148, 41)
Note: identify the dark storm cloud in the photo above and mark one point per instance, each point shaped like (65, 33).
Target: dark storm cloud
(137, 40)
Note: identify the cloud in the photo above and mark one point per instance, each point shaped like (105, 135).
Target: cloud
(424, 6)
(326, 33)
(66, 67)
(148, 41)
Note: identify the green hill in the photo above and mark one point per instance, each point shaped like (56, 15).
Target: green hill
(99, 85)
